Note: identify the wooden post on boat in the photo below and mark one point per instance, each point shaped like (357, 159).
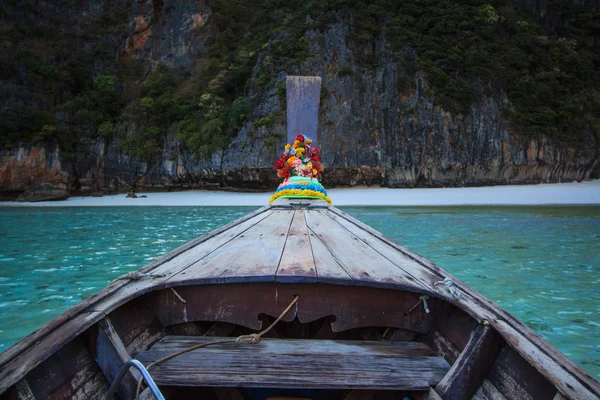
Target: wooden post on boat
(302, 96)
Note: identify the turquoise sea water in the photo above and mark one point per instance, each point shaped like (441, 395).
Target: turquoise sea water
(542, 264)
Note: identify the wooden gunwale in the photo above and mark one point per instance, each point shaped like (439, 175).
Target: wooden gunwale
(509, 327)
(568, 378)
(35, 339)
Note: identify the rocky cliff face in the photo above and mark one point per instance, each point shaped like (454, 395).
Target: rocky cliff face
(378, 124)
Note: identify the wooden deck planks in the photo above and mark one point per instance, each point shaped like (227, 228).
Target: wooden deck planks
(358, 259)
(297, 261)
(298, 364)
(251, 256)
(409, 266)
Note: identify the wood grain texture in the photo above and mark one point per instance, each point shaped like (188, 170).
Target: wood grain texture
(136, 325)
(569, 378)
(241, 304)
(33, 356)
(410, 268)
(28, 353)
(487, 391)
(554, 367)
(358, 259)
(472, 366)
(251, 256)
(298, 364)
(111, 355)
(302, 99)
(515, 378)
(297, 260)
(64, 373)
(329, 270)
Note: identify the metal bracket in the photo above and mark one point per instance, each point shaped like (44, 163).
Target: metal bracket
(147, 378)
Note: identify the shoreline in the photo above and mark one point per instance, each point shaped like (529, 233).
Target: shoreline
(573, 193)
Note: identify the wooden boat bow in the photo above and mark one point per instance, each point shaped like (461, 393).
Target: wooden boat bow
(361, 322)
(340, 267)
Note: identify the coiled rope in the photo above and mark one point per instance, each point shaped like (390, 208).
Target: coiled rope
(447, 282)
(252, 338)
(136, 276)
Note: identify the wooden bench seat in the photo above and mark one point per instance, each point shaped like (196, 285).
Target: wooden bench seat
(294, 363)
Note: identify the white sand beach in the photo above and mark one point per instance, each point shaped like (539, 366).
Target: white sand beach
(573, 193)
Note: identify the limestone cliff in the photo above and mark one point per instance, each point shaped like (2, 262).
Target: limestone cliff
(379, 121)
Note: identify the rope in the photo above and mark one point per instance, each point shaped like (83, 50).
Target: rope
(450, 286)
(136, 276)
(252, 338)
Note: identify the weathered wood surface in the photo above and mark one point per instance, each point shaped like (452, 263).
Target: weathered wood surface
(28, 353)
(111, 355)
(487, 391)
(70, 373)
(517, 379)
(472, 366)
(352, 307)
(357, 258)
(253, 249)
(297, 259)
(302, 99)
(297, 364)
(569, 378)
(252, 256)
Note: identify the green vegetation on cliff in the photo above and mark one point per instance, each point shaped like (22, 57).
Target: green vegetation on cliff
(62, 82)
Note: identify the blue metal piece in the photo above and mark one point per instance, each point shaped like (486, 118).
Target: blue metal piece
(140, 367)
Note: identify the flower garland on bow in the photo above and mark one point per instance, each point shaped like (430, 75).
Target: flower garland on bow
(299, 159)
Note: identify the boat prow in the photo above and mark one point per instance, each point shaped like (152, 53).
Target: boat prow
(372, 319)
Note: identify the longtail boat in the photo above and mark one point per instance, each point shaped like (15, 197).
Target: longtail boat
(295, 300)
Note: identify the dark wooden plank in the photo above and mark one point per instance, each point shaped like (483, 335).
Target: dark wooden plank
(136, 325)
(297, 363)
(487, 391)
(63, 374)
(93, 389)
(34, 356)
(472, 366)
(515, 378)
(253, 255)
(297, 258)
(302, 100)
(221, 329)
(359, 260)
(241, 304)
(452, 330)
(111, 354)
(20, 391)
(302, 346)
(441, 345)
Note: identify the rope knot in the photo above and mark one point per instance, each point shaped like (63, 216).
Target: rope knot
(252, 338)
(134, 276)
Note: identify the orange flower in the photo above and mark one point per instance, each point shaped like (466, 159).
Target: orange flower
(291, 159)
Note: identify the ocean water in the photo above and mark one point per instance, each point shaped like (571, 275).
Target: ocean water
(542, 264)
